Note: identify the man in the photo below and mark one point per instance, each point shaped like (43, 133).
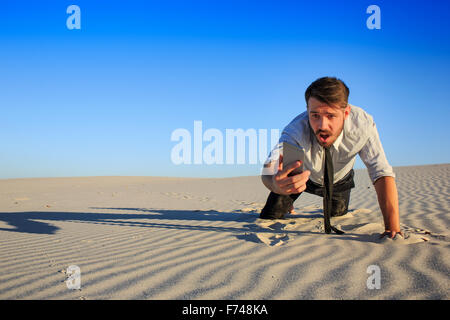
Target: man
(331, 132)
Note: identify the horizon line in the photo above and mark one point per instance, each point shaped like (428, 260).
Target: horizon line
(190, 177)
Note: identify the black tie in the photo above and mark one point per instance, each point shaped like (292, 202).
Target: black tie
(328, 177)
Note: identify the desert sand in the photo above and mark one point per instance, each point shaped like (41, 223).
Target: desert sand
(189, 238)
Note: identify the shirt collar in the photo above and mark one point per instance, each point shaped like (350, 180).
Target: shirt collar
(338, 140)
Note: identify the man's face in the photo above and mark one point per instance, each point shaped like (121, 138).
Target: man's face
(327, 121)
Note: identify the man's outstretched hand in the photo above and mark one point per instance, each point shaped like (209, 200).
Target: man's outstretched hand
(284, 185)
(391, 234)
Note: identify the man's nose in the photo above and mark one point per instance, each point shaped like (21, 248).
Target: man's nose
(323, 123)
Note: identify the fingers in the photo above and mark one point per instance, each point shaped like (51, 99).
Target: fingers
(296, 190)
(293, 184)
(289, 168)
(391, 234)
(394, 233)
(296, 180)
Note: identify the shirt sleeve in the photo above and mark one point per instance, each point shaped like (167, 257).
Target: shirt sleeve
(271, 164)
(373, 156)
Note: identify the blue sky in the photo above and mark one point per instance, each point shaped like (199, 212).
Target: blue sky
(105, 99)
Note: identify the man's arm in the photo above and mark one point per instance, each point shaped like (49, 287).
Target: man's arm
(267, 181)
(383, 178)
(388, 200)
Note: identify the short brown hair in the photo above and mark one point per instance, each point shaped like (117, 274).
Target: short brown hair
(328, 90)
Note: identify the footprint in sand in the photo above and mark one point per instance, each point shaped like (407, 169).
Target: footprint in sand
(275, 226)
(273, 239)
(273, 233)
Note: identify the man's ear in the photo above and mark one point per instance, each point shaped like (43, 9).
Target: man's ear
(347, 111)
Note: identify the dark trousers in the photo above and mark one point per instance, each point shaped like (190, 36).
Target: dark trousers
(278, 205)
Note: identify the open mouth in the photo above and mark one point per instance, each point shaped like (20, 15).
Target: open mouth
(323, 137)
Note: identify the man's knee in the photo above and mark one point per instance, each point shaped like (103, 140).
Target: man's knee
(277, 206)
(340, 204)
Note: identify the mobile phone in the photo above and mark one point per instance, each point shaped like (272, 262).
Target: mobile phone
(291, 154)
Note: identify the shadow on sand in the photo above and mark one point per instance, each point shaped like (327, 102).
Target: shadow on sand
(39, 222)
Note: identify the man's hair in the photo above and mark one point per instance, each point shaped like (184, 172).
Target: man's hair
(328, 90)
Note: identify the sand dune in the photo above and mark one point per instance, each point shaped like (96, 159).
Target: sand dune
(185, 238)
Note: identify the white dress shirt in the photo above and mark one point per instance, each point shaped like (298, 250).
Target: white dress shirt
(359, 136)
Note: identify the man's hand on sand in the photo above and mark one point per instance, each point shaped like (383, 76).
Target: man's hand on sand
(285, 185)
(391, 234)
